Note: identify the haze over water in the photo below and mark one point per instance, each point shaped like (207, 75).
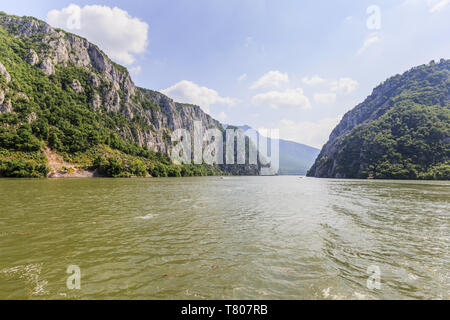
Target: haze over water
(236, 238)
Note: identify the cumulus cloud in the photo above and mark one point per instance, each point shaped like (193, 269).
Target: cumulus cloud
(370, 40)
(271, 79)
(291, 98)
(190, 92)
(344, 85)
(120, 35)
(312, 133)
(313, 81)
(325, 98)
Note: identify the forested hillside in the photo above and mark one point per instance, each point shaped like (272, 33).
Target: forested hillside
(401, 131)
(61, 94)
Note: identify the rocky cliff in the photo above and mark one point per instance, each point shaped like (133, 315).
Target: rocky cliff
(114, 90)
(74, 98)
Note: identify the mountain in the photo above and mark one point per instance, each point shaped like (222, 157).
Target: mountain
(295, 158)
(66, 108)
(401, 131)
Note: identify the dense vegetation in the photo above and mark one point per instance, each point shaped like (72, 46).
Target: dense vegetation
(403, 131)
(48, 112)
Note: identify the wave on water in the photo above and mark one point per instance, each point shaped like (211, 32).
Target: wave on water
(146, 217)
(30, 274)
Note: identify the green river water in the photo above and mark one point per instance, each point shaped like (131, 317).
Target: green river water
(231, 238)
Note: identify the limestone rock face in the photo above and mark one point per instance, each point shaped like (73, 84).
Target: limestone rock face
(47, 66)
(4, 73)
(94, 80)
(96, 102)
(111, 88)
(111, 100)
(2, 97)
(32, 58)
(76, 86)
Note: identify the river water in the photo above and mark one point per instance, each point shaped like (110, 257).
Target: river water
(231, 238)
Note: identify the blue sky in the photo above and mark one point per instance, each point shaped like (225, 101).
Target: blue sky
(293, 65)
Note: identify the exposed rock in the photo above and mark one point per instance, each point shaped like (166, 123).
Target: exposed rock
(68, 48)
(127, 111)
(31, 117)
(2, 97)
(32, 58)
(5, 73)
(62, 169)
(76, 86)
(47, 66)
(94, 81)
(96, 101)
(6, 108)
(111, 100)
(22, 96)
(117, 92)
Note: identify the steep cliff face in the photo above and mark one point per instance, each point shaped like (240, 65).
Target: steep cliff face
(114, 91)
(74, 98)
(402, 130)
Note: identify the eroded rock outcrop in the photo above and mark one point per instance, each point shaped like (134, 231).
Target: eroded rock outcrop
(76, 86)
(6, 107)
(32, 58)
(47, 66)
(4, 73)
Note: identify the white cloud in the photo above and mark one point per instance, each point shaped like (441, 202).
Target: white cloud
(315, 80)
(370, 40)
(344, 85)
(271, 79)
(291, 98)
(314, 134)
(190, 92)
(222, 116)
(242, 77)
(112, 29)
(325, 98)
(439, 6)
(135, 70)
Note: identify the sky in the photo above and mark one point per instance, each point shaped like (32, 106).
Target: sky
(297, 66)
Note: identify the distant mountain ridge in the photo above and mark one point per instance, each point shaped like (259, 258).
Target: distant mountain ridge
(295, 158)
(401, 131)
